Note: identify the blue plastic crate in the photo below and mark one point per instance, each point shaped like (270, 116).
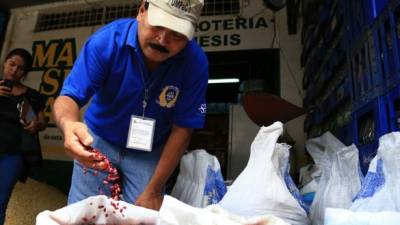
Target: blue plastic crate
(361, 74)
(350, 82)
(343, 92)
(369, 123)
(373, 9)
(347, 23)
(389, 54)
(376, 61)
(345, 134)
(335, 25)
(366, 153)
(394, 15)
(358, 21)
(370, 11)
(393, 99)
(380, 5)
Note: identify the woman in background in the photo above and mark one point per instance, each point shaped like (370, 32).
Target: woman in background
(13, 96)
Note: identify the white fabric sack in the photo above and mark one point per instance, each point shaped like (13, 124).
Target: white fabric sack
(340, 180)
(310, 175)
(259, 189)
(310, 187)
(309, 178)
(280, 159)
(99, 210)
(200, 182)
(175, 212)
(320, 148)
(381, 187)
(347, 217)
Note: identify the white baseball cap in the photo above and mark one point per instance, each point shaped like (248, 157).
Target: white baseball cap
(177, 15)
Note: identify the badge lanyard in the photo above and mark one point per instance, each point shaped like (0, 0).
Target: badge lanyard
(141, 129)
(148, 87)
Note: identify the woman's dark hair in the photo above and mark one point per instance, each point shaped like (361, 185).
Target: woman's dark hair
(25, 55)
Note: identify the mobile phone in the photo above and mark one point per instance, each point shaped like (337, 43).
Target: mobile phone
(8, 83)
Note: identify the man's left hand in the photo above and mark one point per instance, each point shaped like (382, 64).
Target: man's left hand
(150, 200)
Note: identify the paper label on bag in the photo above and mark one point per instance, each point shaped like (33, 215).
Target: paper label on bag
(141, 133)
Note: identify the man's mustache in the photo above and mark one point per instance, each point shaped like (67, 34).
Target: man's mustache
(159, 48)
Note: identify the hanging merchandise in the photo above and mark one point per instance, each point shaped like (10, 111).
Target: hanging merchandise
(200, 182)
(340, 180)
(260, 189)
(397, 113)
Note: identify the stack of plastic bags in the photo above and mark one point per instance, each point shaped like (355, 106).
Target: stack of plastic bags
(378, 201)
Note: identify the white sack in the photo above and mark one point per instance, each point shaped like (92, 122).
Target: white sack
(381, 187)
(321, 147)
(175, 212)
(310, 187)
(310, 175)
(200, 182)
(259, 189)
(98, 210)
(309, 178)
(347, 217)
(280, 159)
(340, 180)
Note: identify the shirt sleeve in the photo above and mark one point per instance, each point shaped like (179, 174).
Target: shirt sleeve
(90, 69)
(190, 110)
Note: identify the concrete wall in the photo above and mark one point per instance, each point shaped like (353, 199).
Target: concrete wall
(291, 81)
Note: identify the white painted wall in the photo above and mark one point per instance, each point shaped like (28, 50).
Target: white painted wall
(291, 81)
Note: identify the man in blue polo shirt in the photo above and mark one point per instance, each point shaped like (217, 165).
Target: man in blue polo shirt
(146, 81)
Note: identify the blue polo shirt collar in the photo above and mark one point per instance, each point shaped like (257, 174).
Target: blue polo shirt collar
(132, 39)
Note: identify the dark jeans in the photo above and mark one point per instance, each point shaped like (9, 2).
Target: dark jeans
(11, 167)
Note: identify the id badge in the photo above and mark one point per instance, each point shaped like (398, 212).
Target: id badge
(141, 133)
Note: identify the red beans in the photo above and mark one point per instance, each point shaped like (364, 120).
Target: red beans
(112, 181)
(101, 210)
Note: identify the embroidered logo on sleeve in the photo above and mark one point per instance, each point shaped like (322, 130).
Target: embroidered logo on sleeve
(203, 108)
(168, 96)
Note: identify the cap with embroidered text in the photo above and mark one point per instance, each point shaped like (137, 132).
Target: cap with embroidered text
(177, 15)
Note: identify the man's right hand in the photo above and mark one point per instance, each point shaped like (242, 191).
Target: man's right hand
(77, 142)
